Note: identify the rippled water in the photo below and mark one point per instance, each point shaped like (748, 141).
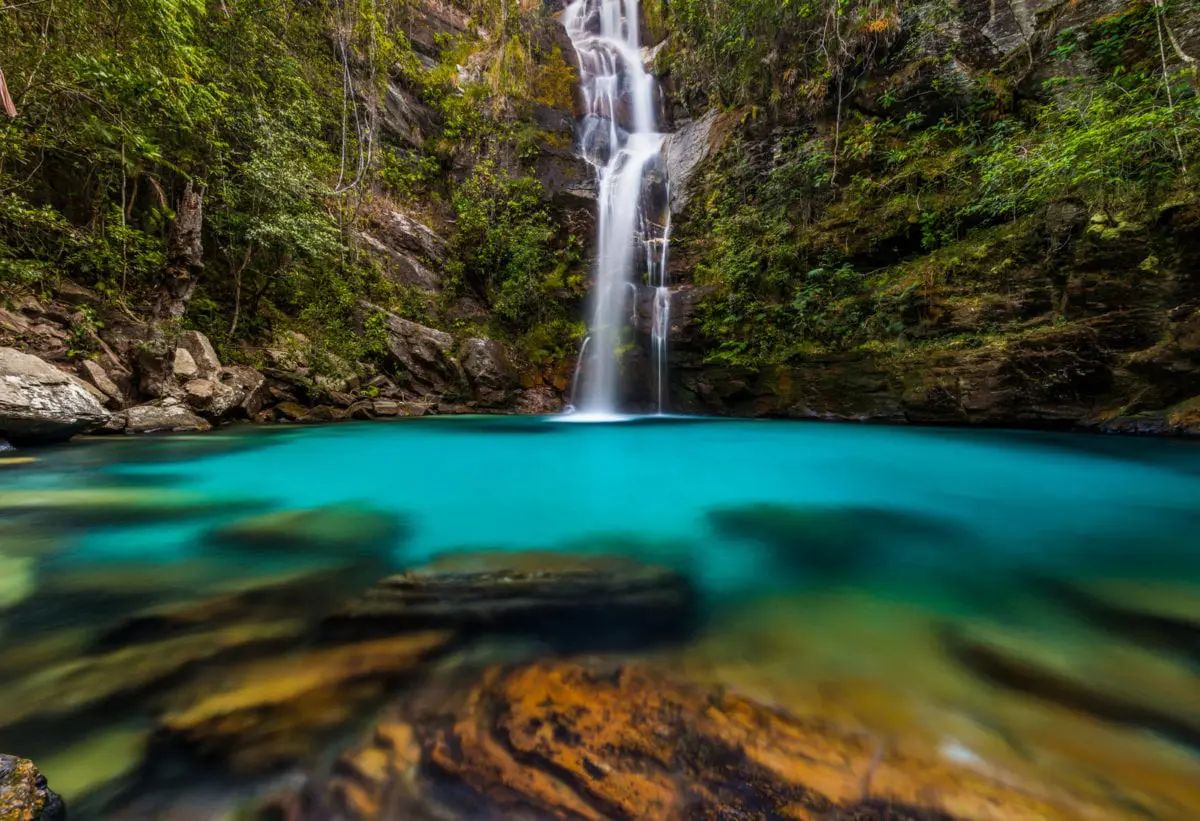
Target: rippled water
(855, 571)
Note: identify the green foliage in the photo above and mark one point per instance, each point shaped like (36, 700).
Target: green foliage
(505, 247)
(772, 52)
(122, 103)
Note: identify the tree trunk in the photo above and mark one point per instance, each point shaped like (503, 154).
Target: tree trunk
(5, 100)
(184, 256)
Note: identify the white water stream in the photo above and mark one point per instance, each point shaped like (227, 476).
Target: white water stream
(619, 136)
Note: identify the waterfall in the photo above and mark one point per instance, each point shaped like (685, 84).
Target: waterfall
(619, 136)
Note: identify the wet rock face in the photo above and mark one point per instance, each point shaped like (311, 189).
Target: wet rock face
(24, 793)
(564, 740)
(488, 370)
(41, 404)
(574, 602)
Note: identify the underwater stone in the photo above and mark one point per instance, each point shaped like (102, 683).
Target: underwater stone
(24, 793)
(572, 601)
(831, 540)
(334, 529)
(275, 712)
(1087, 672)
(73, 506)
(565, 740)
(18, 579)
(94, 682)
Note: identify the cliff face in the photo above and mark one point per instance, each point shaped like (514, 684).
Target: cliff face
(981, 214)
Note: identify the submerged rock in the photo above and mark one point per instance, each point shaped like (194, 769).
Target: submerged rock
(562, 740)
(41, 404)
(832, 540)
(24, 793)
(1160, 613)
(274, 712)
(1121, 683)
(336, 529)
(18, 579)
(572, 601)
(96, 682)
(115, 505)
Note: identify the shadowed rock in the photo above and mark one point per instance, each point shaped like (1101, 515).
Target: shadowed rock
(576, 602)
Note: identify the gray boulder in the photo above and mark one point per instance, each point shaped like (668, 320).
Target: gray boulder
(94, 373)
(209, 398)
(40, 404)
(169, 416)
(251, 385)
(208, 366)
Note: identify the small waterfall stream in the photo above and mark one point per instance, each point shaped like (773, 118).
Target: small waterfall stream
(619, 136)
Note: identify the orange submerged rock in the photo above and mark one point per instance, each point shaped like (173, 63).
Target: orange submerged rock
(559, 740)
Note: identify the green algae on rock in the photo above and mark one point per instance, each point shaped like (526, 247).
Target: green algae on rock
(334, 529)
(90, 506)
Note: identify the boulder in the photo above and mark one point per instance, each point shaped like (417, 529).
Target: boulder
(24, 793)
(201, 352)
(571, 601)
(40, 404)
(335, 529)
(91, 371)
(488, 371)
(212, 399)
(251, 386)
(184, 366)
(163, 417)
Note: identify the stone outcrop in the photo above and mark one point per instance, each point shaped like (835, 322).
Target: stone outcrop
(24, 793)
(423, 354)
(40, 404)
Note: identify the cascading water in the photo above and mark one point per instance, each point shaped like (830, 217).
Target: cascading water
(619, 137)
